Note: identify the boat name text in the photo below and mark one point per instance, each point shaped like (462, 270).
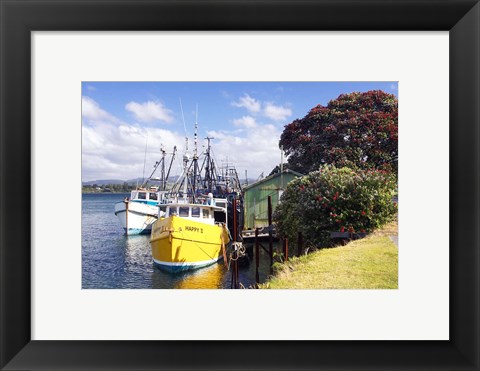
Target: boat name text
(193, 229)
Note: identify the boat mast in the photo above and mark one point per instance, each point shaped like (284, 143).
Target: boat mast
(163, 180)
(145, 159)
(185, 175)
(209, 168)
(170, 167)
(185, 158)
(195, 156)
(155, 167)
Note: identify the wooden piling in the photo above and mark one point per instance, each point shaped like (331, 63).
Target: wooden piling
(232, 279)
(235, 234)
(269, 211)
(299, 244)
(257, 258)
(235, 220)
(270, 234)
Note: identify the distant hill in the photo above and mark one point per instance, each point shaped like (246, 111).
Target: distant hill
(102, 182)
(133, 182)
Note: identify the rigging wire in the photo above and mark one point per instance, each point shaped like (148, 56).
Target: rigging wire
(145, 158)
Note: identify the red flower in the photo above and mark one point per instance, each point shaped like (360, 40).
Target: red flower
(342, 229)
(363, 213)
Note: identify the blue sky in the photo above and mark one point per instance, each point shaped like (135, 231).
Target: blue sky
(246, 119)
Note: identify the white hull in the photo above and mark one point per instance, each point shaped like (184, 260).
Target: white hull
(139, 217)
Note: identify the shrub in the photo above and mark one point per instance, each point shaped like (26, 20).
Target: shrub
(335, 199)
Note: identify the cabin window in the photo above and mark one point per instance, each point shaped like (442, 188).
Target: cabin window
(206, 213)
(219, 217)
(221, 204)
(183, 211)
(196, 212)
(173, 211)
(142, 196)
(163, 208)
(153, 196)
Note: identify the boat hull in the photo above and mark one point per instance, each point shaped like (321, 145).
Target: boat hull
(180, 244)
(137, 218)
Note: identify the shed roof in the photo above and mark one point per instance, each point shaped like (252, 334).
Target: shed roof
(287, 171)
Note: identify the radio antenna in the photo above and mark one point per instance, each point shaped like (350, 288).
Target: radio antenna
(184, 126)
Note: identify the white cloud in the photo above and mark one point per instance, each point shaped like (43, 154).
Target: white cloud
(92, 112)
(91, 88)
(266, 109)
(276, 113)
(118, 152)
(255, 152)
(112, 149)
(150, 111)
(245, 121)
(251, 104)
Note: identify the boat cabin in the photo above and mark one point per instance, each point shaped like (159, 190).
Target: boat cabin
(150, 197)
(207, 214)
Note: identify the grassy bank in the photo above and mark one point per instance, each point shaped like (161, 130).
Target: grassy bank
(369, 263)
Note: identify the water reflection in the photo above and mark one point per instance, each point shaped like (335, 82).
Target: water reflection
(112, 260)
(205, 278)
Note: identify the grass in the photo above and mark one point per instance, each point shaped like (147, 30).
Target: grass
(369, 263)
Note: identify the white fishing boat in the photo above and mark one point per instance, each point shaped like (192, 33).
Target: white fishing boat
(138, 212)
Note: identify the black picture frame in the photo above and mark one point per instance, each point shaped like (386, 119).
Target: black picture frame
(18, 18)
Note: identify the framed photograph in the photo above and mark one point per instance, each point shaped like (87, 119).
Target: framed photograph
(76, 75)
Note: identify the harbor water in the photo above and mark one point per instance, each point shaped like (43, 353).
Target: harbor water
(111, 260)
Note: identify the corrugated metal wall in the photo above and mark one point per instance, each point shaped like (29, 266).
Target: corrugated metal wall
(256, 200)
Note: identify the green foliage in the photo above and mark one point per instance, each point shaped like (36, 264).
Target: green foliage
(358, 130)
(114, 188)
(287, 214)
(335, 199)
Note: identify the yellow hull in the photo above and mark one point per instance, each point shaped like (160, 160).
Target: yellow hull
(180, 244)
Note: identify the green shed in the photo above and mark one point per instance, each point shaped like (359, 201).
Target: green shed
(256, 197)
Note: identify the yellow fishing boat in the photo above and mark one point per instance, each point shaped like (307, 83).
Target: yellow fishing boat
(189, 236)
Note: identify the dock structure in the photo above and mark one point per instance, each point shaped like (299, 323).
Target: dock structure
(256, 201)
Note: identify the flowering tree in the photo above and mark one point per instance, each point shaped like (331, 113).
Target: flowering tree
(358, 130)
(335, 200)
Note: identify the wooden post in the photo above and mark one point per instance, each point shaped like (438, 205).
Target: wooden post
(257, 258)
(235, 220)
(235, 233)
(299, 244)
(270, 235)
(269, 210)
